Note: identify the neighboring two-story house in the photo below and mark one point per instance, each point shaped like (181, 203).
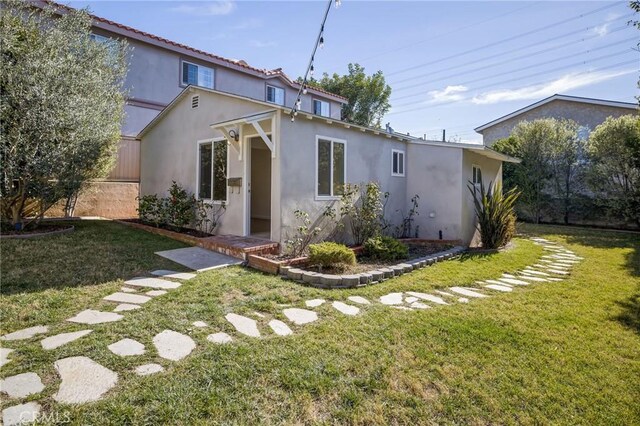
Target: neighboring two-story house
(158, 71)
(587, 112)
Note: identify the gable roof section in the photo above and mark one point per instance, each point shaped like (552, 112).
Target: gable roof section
(238, 65)
(555, 97)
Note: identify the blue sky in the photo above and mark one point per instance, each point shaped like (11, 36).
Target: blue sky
(452, 65)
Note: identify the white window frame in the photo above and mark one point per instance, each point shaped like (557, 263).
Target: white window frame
(284, 94)
(313, 105)
(473, 174)
(333, 140)
(393, 153)
(213, 75)
(211, 141)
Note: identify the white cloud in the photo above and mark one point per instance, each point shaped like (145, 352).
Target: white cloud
(449, 93)
(262, 44)
(601, 30)
(213, 8)
(560, 85)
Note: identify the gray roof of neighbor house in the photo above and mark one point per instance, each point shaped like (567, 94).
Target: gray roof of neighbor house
(555, 97)
(477, 148)
(238, 65)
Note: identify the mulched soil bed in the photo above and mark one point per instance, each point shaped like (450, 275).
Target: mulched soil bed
(186, 231)
(365, 264)
(43, 229)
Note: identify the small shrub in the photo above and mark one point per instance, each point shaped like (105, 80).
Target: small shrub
(363, 207)
(180, 206)
(331, 255)
(150, 209)
(305, 233)
(385, 248)
(496, 214)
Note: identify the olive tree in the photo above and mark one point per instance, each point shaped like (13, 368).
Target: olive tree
(614, 172)
(62, 107)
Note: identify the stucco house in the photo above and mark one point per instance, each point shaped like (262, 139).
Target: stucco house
(587, 112)
(273, 165)
(159, 69)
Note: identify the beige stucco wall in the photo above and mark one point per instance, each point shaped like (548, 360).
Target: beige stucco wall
(587, 115)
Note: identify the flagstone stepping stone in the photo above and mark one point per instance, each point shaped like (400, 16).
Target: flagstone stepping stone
(90, 316)
(534, 272)
(58, 340)
(411, 299)
(21, 385)
(346, 309)
(314, 303)
(280, 328)
(554, 279)
(4, 356)
(512, 281)
(154, 293)
(172, 345)
(429, 297)
(83, 380)
(402, 308)
(173, 274)
(497, 287)
(508, 276)
(127, 298)
(21, 414)
(444, 293)
(391, 299)
(219, 338)
(466, 292)
(558, 271)
(359, 299)
(566, 262)
(25, 333)
(126, 307)
(147, 369)
(259, 315)
(420, 305)
(463, 300)
(199, 324)
(244, 325)
(532, 278)
(496, 282)
(127, 347)
(300, 316)
(152, 283)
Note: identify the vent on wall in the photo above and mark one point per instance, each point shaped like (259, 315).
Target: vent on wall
(195, 100)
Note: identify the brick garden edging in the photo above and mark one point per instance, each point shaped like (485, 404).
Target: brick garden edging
(329, 281)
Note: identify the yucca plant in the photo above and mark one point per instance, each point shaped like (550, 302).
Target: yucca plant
(495, 212)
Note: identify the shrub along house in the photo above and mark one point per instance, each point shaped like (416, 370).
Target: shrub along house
(249, 155)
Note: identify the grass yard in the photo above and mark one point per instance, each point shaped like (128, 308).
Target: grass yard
(548, 353)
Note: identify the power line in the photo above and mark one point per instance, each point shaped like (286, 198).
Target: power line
(518, 49)
(476, 49)
(536, 65)
(457, 30)
(620, 64)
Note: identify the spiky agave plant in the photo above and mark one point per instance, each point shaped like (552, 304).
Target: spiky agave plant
(495, 212)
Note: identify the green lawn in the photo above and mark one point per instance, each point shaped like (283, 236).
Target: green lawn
(549, 353)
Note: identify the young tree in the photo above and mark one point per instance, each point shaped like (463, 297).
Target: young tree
(614, 173)
(62, 106)
(368, 96)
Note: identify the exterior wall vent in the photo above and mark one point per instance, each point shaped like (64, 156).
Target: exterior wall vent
(195, 101)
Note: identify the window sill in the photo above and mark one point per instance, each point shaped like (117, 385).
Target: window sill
(327, 198)
(397, 175)
(218, 202)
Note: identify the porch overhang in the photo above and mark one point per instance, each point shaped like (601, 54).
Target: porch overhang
(254, 120)
(493, 154)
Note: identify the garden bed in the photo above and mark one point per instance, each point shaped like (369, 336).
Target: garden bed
(41, 231)
(185, 231)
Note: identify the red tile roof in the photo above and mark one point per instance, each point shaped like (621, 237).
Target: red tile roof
(234, 63)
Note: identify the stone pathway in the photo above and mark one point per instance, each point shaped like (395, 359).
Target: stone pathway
(83, 380)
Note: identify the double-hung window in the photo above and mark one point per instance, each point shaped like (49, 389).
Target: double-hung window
(321, 108)
(275, 95)
(397, 162)
(212, 170)
(197, 75)
(476, 175)
(331, 166)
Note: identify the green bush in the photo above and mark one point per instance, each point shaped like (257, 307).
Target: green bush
(496, 214)
(331, 255)
(385, 248)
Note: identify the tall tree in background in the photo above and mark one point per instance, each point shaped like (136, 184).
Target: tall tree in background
(368, 95)
(62, 107)
(614, 173)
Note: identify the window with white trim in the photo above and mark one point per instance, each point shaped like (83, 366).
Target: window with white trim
(275, 95)
(397, 162)
(331, 166)
(476, 175)
(99, 38)
(321, 108)
(212, 170)
(197, 75)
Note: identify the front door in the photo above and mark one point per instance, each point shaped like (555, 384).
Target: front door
(259, 186)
